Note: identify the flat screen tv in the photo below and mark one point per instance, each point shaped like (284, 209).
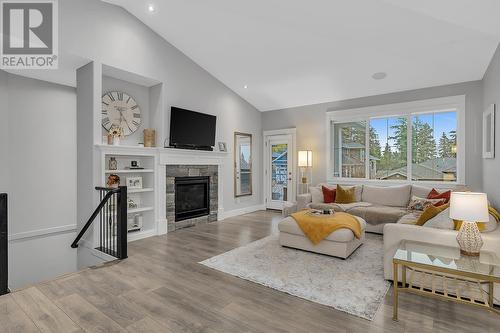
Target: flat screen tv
(191, 130)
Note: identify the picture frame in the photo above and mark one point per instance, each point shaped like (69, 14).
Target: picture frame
(489, 132)
(134, 183)
(222, 146)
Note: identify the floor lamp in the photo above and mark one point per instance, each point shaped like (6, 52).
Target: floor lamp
(305, 164)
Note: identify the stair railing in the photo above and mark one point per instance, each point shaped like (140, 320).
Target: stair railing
(112, 211)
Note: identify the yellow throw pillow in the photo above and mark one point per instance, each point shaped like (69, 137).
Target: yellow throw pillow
(429, 213)
(345, 195)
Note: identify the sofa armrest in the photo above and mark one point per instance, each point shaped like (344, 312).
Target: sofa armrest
(303, 200)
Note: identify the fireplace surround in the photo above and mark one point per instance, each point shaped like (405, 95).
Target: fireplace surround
(191, 195)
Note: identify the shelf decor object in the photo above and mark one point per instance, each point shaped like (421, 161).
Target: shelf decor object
(134, 182)
(469, 207)
(149, 137)
(113, 165)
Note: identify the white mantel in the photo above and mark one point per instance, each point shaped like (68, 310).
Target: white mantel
(193, 157)
(172, 156)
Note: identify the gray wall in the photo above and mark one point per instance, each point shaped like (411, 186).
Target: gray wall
(491, 95)
(39, 163)
(108, 34)
(311, 128)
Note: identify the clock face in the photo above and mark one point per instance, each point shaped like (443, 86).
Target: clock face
(120, 110)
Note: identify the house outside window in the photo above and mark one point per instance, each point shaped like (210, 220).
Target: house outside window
(420, 141)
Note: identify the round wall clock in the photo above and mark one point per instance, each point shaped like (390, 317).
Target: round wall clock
(120, 110)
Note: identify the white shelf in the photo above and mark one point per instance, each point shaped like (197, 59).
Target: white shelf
(140, 209)
(143, 233)
(141, 190)
(130, 171)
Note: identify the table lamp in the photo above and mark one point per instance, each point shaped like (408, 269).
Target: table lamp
(469, 207)
(305, 161)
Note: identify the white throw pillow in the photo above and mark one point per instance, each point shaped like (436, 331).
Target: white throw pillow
(441, 221)
(316, 195)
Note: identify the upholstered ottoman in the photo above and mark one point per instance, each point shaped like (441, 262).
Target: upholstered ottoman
(340, 243)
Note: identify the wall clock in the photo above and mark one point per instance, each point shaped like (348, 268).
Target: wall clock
(120, 110)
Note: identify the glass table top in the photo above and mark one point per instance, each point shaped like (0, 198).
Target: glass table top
(448, 257)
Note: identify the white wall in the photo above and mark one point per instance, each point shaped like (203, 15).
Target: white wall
(114, 37)
(41, 161)
(491, 95)
(4, 133)
(311, 128)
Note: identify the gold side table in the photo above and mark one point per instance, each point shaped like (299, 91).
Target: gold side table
(443, 272)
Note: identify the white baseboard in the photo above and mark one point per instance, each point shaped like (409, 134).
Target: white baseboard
(241, 211)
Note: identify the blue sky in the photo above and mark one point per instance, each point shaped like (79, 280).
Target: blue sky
(441, 122)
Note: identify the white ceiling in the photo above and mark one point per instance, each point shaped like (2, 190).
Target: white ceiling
(296, 52)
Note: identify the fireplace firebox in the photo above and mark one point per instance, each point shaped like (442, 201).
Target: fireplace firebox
(192, 197)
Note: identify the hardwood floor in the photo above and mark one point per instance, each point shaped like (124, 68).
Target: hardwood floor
(162, 288)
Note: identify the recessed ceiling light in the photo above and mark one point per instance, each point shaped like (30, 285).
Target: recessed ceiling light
(245, 86)
(151, 8)
(379, 76)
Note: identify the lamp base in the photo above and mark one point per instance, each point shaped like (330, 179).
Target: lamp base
(469, 239)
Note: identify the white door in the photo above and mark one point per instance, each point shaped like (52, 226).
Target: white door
(279, 170)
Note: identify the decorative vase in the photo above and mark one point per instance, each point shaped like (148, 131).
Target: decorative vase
(149, 137)
(116, 141)
(112, 165)
(110, 139)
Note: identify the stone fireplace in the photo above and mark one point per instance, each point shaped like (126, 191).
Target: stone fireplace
(191, 195)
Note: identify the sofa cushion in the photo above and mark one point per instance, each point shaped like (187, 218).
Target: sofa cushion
(289, 225)
(434, 194)
(431, 212)
(420, 191)
(410, 218)
(328, 194)
(316, 194)
(396, 196)
(378, 214)
(345, 195)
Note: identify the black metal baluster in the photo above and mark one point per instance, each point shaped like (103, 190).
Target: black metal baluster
(4, 266)
(100, 221)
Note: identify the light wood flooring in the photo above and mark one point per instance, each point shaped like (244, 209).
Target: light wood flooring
(162, 288)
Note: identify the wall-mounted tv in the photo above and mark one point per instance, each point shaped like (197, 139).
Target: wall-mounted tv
(192, 130)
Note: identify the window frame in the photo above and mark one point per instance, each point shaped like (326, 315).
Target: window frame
(398, 110)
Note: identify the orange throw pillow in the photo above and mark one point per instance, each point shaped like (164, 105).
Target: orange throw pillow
(328, 194)
(434, 194)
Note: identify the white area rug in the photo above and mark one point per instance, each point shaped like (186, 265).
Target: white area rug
(355, 285)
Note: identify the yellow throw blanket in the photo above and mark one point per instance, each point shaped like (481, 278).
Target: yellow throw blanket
(318, 227)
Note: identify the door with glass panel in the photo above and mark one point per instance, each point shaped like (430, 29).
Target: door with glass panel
(279, 170)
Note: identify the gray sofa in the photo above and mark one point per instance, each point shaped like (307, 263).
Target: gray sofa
(377, 205)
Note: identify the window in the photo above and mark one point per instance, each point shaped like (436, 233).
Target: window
(417, 141)
(350, 149)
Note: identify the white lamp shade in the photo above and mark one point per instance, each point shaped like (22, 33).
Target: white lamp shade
(469, 206)
(305, 158)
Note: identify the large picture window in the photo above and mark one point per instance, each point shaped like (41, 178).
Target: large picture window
(419, 142)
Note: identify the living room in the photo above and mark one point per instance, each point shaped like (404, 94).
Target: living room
(217, 166)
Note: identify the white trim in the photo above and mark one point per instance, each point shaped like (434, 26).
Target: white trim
(398, 110)
(490, 111)
(242, 211)
(43, 232)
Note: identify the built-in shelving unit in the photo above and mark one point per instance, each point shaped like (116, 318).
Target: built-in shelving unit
(142, 210)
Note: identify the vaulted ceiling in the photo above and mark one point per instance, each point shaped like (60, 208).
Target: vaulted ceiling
(295, 52)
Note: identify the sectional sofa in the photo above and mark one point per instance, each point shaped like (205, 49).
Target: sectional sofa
(385, 211)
